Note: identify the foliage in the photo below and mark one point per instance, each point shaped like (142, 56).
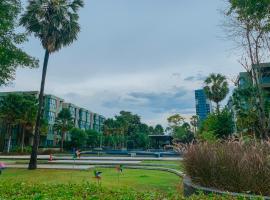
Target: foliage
(26, 149)
(78, 138)
(230, 166)
(55, 23)
(245, 107)
(194, 121)
(175, 120)
(183, 133)
(11, 55)
(220, 124)
(63, 124)
(159, 130)
(249, 27)
(94, 138)
(126, 129)
(216, 88)
(18, 109)
(180, 130)
(23, 191)
(208, 136)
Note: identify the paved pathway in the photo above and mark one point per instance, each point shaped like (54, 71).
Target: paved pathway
(57, 166)
(46, 157)
(112, 162)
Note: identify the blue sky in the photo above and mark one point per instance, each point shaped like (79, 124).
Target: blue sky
(145, 56)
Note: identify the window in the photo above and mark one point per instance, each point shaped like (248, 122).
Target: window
(52, 103)
(51, 117)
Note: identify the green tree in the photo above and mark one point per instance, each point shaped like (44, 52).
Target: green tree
(216, 88)
(28, 111)
(220, 124)
(246, 107)
(94, 138)
(125, 128)
(10, 114)
(159, 129)
(55, 23)
(175, 120)
(194, 120)
(12, 56)
(63, 124)
(78, 138)
(249, 24)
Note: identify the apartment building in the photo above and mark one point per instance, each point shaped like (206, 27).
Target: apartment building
(83, 119)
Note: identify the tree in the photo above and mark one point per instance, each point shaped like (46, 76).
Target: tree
(216, 88)
(78, 138)
(94, 138)
(63, 124)
(175, 121)
(11, 55)
(159, 129)
(9, 113)
(245, 107)
(55, 23)
(125, 128)
(27, 116)
(194, 122)
(249, 27)
(220, 124)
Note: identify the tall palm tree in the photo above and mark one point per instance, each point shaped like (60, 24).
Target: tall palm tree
(63, 123)
(216, 88)
(55, 23)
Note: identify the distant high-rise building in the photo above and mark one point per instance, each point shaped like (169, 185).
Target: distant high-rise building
(203, 105)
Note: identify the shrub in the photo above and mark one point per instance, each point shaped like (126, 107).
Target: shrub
(231, 166)
(220, 124)
(30, 191)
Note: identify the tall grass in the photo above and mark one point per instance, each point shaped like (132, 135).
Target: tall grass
(231, 166)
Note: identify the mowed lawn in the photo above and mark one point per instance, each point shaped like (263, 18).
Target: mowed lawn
(140, 180)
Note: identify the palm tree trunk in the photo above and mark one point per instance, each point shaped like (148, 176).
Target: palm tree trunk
(33, 159)
(218, 107)
(9, 131)
(23, 135)
(62, 141)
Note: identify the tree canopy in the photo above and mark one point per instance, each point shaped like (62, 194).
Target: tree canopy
(11, 55)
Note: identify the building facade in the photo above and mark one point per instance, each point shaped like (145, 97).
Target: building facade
(203, 105)
(83, 119)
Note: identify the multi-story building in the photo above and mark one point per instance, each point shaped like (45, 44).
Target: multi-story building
(83, 119)
(244, 80)
(203, 105)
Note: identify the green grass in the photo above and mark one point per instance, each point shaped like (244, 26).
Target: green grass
(169, 164)
(140, 180)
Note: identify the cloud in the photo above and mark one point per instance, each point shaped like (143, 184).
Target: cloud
(197, 77)
(158, 102)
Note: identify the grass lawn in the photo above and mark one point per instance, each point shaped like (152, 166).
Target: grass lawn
(139, 180)
(169, 164)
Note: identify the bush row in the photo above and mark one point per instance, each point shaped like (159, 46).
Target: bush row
(26, 191)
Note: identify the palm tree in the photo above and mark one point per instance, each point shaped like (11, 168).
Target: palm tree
(55, 23)
(63, 123)
(9, 114)
(216, 88)
(194, 122)
(28, 112)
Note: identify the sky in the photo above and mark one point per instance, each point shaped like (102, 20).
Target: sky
(143, 56)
